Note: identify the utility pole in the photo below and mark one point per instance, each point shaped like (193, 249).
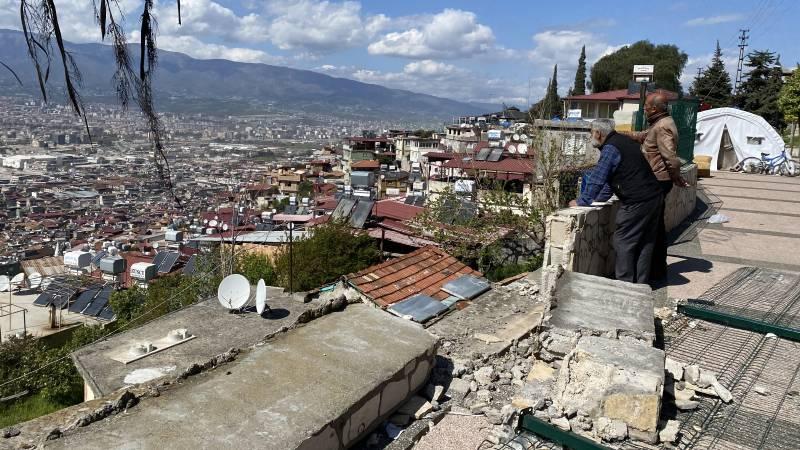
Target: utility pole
(699, 71)
(743, 37)
(291, 260)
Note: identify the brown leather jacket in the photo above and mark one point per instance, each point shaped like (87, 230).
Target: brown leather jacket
(660, 146)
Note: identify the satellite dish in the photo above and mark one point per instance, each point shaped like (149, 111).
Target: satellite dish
(216, 217)
(155, 245)
(522, 148)
(213, 223)
(261, 296)
(4, 283)
(234, 291)
(35, 280)
(17, 280)
(45, 283)
(515, 137)
(113, 251)
(512, 149)
(205, 221)
(224, 227)
(523, 137)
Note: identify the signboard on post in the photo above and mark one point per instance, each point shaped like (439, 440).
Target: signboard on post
(643, 69)
(574, 114)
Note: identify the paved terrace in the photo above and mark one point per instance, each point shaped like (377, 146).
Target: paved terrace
(763, 231)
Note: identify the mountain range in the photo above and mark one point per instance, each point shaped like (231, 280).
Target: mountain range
(216, 86)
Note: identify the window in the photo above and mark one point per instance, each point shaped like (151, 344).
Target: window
(753, 140)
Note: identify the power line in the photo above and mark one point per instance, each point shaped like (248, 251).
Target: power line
(740, 65)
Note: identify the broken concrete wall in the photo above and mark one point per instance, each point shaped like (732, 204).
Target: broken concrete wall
(596, 370)
(581, 239)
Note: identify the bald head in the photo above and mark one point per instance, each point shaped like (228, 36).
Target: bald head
(656, 101)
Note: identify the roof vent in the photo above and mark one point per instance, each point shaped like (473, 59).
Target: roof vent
(141, 348)
(178, 335)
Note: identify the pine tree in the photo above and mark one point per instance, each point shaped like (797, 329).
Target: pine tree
(713, 86)
(759, 92)
(580, 75)
(550, 106)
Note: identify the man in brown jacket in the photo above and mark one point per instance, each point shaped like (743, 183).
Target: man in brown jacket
(660, 145)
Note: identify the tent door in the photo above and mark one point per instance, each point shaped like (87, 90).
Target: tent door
(726, 158)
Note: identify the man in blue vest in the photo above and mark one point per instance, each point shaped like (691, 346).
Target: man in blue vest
(624, 169)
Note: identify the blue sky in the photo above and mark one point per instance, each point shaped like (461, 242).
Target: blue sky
(474, 51)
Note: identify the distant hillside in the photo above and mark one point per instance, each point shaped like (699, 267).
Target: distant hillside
(185, 84)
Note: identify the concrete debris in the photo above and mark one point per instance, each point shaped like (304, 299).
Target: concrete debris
(487, 338)
(541, 371)
(686, 405)
(561, 422)
(493, 416)
(484, 395)
(723, 393)
(761, 390)
(485, 375)
(669, 434)
(473, 386)
(674, 368)
(400, 420)
(458, 389)
(706, 379)
(534, 394)
(434, 392)
(611, 430)
(691, 373)
(416, 406)
(478, 407)
(705, 391)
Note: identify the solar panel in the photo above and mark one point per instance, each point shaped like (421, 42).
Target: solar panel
(107, 313)
(189, 267)
(361, 213)
(343, 209)
(80, 303)
(495, 155)
(420, 307)
(159, 258)
(99, 302)
(169, 262)
(43, 299)
(466, 287)
(483, 154)
(98, 256)
(290, 209)
(61, 298)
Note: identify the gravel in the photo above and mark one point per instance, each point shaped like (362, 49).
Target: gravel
(455, 432)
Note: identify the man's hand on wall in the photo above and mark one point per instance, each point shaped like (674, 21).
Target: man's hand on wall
(573, 203)
(680, 182)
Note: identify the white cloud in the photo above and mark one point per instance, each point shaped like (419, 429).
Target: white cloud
(196, 48)
(450, 34)
(714, 20)
(730, 58)
(208, 19)
(317, 26)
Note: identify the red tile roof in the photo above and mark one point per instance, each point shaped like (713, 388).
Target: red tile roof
(512, 165)
(369, 164)
(619, 94)
(395, 210)
(423, 271)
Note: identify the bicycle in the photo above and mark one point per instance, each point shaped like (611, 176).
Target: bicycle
(769, 165)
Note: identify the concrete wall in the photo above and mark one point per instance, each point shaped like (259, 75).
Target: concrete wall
(581, 239)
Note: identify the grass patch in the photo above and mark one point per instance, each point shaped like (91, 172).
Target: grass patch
(27, 408)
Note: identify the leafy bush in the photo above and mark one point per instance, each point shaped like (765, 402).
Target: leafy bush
(330, 251)
(255, 266)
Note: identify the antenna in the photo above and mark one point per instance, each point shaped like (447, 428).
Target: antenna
(234, 291)
(35, 280)
(261, 297)
(4, 283)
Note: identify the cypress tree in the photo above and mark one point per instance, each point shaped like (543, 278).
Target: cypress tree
(580, 75)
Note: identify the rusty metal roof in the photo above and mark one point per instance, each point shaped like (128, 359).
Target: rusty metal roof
(423, 271)
(47, 266)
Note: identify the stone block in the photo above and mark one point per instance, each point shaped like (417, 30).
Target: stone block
(420, 375)
(541, 371)
(458, 389)
(362, 418)
(485, 375)
(561, 422)
(434, 392)
(669, 434)
(533, 394)
(639, 411)
(416, 406)
(674, 368)
(610, 430)
(393, 393)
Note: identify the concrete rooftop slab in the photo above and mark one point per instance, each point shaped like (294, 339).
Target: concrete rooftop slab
(600, 304)
(323, 385)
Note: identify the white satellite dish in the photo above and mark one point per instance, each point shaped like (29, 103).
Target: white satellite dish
(213, 223)
(46, 281)
(515, 137)
(523, 137)
(234, 291)
(17, 280)
(35, 280)
(216, 217)
(113, 251)
(4, 283)
(261, 296)
(205, 221)
(512, 149)
(224, 227)
(155, 245)
(522, 148)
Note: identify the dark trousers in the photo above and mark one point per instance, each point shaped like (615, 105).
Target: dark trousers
(658, 270)
(635, 238)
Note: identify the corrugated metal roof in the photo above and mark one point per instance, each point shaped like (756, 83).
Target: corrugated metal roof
(47, 266)
(423, 271)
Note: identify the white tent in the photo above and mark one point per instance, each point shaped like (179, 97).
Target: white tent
(729, 135)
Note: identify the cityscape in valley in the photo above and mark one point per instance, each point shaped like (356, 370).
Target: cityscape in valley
(264, 233)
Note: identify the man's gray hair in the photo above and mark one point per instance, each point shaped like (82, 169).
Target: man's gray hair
(604, 126)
